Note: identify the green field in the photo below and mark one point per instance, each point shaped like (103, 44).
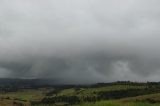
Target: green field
(115, 94)
(114, 103)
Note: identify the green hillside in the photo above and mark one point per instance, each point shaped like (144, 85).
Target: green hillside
(107, 94)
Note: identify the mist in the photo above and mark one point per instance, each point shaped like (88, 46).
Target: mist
(80, 41)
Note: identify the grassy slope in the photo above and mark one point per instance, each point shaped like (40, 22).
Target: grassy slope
(145, 98)
(38, 94)
(93, 91)
(25, 94)
(132, 101)
(115, 103)
(22, 96)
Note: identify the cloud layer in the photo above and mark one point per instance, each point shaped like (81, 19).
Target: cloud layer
(80, 41)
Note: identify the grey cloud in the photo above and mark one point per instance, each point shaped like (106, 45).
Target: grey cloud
(81, 41)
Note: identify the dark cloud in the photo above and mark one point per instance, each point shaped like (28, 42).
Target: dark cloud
(80, 41)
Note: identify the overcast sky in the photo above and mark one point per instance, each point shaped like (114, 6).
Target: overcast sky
(80, 41)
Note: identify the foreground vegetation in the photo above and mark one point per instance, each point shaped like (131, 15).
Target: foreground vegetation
(114, 103)
(102, 94)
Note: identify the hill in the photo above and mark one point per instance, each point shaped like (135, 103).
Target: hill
(32, 92)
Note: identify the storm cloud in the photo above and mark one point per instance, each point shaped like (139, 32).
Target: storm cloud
(80, 41)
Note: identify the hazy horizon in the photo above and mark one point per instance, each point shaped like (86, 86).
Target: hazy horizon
(80, 41)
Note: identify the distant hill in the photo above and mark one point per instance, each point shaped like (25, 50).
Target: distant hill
(25, 83)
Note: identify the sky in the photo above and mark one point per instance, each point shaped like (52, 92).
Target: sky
(80, 41)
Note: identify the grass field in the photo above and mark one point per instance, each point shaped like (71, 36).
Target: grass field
(115, 103)
(105, 95)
